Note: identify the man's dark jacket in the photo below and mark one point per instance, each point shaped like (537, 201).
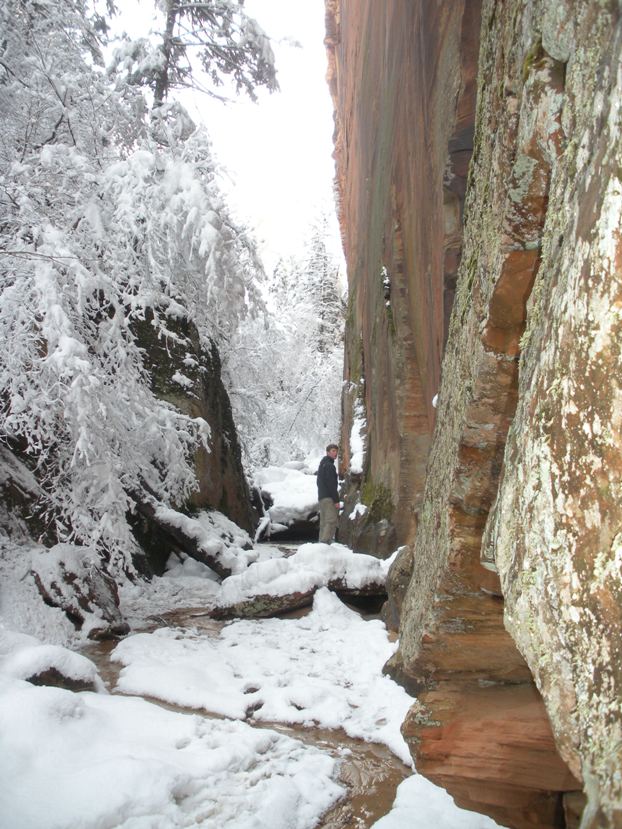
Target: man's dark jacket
(327, 479)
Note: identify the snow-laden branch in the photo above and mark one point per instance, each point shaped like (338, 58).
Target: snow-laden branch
(107, 221)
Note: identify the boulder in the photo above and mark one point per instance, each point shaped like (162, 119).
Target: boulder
(366, 522)
(52, 665)
(398, 579)
(289, 497)
(186, 372)
(265, 605)
(71, 578)
(197, 536)
(282, 584)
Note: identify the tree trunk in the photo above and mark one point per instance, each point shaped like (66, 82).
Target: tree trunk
(162, 82)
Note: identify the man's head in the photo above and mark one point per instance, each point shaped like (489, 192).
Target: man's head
(332, 449)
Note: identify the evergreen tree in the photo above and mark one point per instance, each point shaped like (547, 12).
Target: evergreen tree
(216, 34)
(293, 359)
(320, 276)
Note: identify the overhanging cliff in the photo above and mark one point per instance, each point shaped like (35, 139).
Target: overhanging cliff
(404, 125)
(533, 352)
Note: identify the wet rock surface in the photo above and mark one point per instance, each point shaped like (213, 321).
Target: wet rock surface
(402, 77)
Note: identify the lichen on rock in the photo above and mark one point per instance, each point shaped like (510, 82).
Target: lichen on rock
(522, 539)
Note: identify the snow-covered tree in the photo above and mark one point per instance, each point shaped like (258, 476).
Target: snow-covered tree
(215, 35)
(286, 368)
(101, 222)
(320, 282)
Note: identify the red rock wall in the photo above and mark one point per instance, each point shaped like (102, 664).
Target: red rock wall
(533, 350)
(555, 533)
(403, 85)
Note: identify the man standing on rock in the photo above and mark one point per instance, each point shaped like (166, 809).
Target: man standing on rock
(327, 494)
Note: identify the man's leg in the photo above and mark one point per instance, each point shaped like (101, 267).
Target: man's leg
(328, 520)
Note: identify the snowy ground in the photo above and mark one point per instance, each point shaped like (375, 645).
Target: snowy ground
(307, 671)
(92, 759)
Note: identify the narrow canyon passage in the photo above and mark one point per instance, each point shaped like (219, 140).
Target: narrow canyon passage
(370, 772)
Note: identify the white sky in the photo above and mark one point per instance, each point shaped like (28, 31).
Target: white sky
(278, 152)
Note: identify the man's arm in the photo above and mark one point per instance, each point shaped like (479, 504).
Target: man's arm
(334, 485)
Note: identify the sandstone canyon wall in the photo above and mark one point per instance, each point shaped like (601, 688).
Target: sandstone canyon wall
(405, 119)
(519, 477)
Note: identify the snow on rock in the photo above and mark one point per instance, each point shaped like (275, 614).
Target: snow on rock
(293, 490)
(229, 532)
(307, 671)
(12, 641)
(69, 577)
(185, 583)
(359, 509)
(48, 665)
(209, 536)
(89, 760)
(357, 439)
(312, 567)
(22, 608)
(186, 570)
(420, 804)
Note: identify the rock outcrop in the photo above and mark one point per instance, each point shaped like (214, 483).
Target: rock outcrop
(532, 360)
(188, 375)
(22, 514)
(71, 578)
(555, 532)
(396, 143)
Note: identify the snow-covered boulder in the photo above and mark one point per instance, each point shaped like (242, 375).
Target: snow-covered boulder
(291, 491)
(50, 665)
(279, 584)
(69, 577)
(209, 537)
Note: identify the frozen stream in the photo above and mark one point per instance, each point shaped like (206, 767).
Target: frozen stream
(286, 723)
(369, 771)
